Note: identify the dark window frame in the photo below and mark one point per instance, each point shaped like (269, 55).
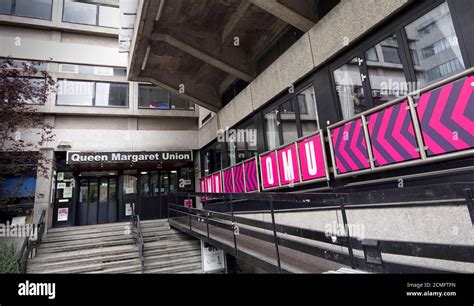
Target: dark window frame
(95, 94)
(97, 13)
(395, 27)
(13, 13)
(293, 97)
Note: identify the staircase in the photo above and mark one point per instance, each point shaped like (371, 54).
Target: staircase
(110, 248)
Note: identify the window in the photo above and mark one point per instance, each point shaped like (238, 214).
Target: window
(212, 158)
(387, 77)
(111, 94)
(86, 93)
(177, 102)
(307, 111)
(272, 135)
(76, 93)
(288, 122)
(36, 95)
(433, 38)
(349, 89)
(38, 9)
(92, 70)
(40, 86)
(79, 12)
(153, 97)
(243, 145)
(158, 98)
(91, 14)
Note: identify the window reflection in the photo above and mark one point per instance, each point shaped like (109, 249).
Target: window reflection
(349, 89)
(288, 122)
(434, 46)
(308, 111)
(271, 130)
(387, 77)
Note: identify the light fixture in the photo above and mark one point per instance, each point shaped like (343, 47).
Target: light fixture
(145, 59)
(174, 171)
(144, 173)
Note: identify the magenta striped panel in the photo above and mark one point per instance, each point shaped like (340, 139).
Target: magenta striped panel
(251, 176)
(392, 135)
(350, 147)
(228, 181)
(239, 179)
(446, 117)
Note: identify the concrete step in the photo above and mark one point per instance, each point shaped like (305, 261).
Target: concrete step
(81, 254)
(87, 227)
(89, 245)
(169, 249)
(39, 266)
(99, 267)
(195, 267)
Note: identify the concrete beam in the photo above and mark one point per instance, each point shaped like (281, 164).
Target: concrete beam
(226, 83)
(284, 13)
(205, 57)
(234, 20)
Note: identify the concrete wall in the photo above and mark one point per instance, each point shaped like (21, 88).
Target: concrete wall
(445, 225)
(348, 21)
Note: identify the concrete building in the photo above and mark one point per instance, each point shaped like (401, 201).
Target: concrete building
(284, 70)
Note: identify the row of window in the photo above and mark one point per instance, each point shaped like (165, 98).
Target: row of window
(73, 11)
(382, 73)
(419, 52)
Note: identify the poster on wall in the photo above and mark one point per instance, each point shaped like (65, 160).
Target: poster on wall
(268, 168)
(217, 182)
(239, 183)
(350, 147)
(228, 180)
(63, 214)
(251, 176)
(312, 158)
(392, 135)
(213, 259)
(288, 165)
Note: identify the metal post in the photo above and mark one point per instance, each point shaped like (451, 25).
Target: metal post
(346, 230)
(233, 225)
(275, 236)
(470, 204)
(207, 220)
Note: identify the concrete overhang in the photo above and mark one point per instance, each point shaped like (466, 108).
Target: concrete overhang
(198, 48)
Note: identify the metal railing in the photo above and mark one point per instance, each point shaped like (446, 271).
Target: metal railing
(138, 237)
(30, 244)
(219, 213)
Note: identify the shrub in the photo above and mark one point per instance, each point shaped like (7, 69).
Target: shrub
(8, 259)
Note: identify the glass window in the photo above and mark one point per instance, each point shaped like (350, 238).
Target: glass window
(349, 89)
(129, 184)
(78, 93)
(179, 103)
(111, 94)
(387, 77)
(40, 9)
(165, 181)
(79, 12)
(145, 189)
(371, 55)
(308, 111)
(112, 189)
(433, 39)
(6, 7)
(272, 136)
(109, 16)
(155, 188)
(153, 97)
(173, 180)
(103, 191)
(288, 122)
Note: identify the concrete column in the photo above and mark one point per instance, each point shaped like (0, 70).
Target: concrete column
(43, 195)
(197, 175)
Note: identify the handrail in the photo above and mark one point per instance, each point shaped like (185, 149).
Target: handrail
(372, 249)
(138, 237)
(29, 245)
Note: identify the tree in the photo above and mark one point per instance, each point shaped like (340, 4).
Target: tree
(23, 130)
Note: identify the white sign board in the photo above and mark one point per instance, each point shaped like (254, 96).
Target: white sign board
(213, 259)
(128, 209)
(63, 214)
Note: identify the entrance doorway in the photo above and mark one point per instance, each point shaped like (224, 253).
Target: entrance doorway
(97, 201)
